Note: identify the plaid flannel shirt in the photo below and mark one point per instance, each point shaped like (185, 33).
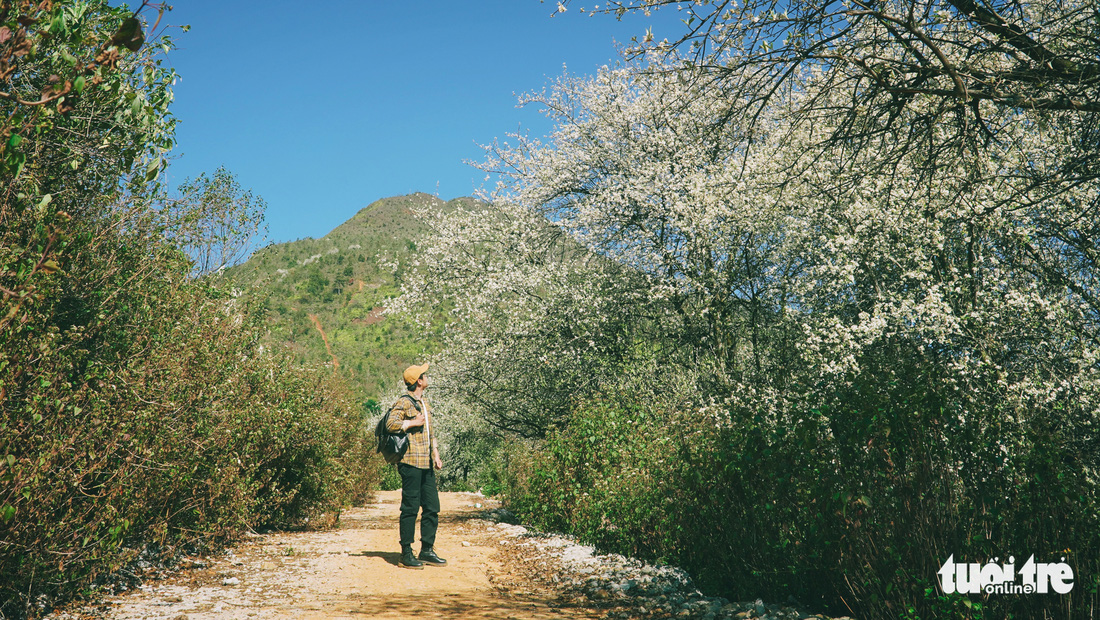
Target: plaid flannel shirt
(419, 453)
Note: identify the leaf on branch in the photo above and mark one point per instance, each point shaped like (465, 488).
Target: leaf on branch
(129, 35)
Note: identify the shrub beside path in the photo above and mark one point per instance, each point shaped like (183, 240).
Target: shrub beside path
(495, 570)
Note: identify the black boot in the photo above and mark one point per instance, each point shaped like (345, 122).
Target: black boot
(429, 556)
(407, 558)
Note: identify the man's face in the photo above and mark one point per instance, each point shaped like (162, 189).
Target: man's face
(423, 380)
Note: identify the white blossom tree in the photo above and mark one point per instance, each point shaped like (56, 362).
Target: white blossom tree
(862, 227)
(939, 77)
(749, 248)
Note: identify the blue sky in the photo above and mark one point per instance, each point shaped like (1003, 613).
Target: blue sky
(324, 108)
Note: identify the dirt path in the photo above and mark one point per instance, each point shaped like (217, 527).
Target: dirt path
(348, 572)
(317, 323)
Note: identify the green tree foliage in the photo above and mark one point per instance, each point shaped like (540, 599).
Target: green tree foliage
(61, 57)
(138, 409)
(67, 71)
(216, 221)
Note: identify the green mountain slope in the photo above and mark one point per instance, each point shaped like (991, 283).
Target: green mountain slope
(324, 296)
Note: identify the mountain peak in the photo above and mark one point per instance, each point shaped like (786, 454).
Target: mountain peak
(324, 297)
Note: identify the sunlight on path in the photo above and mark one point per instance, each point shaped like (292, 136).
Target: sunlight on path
(349, 572)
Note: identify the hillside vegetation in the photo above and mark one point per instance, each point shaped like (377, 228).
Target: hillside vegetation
(324, 298)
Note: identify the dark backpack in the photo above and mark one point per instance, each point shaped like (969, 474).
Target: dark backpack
(392, 446)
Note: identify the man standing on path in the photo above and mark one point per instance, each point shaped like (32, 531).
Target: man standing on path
(411, 415)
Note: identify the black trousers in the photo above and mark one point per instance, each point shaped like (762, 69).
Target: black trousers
(418, 491)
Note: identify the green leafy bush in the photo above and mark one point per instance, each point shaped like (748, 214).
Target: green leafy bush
(138, 409)
(850, 504)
